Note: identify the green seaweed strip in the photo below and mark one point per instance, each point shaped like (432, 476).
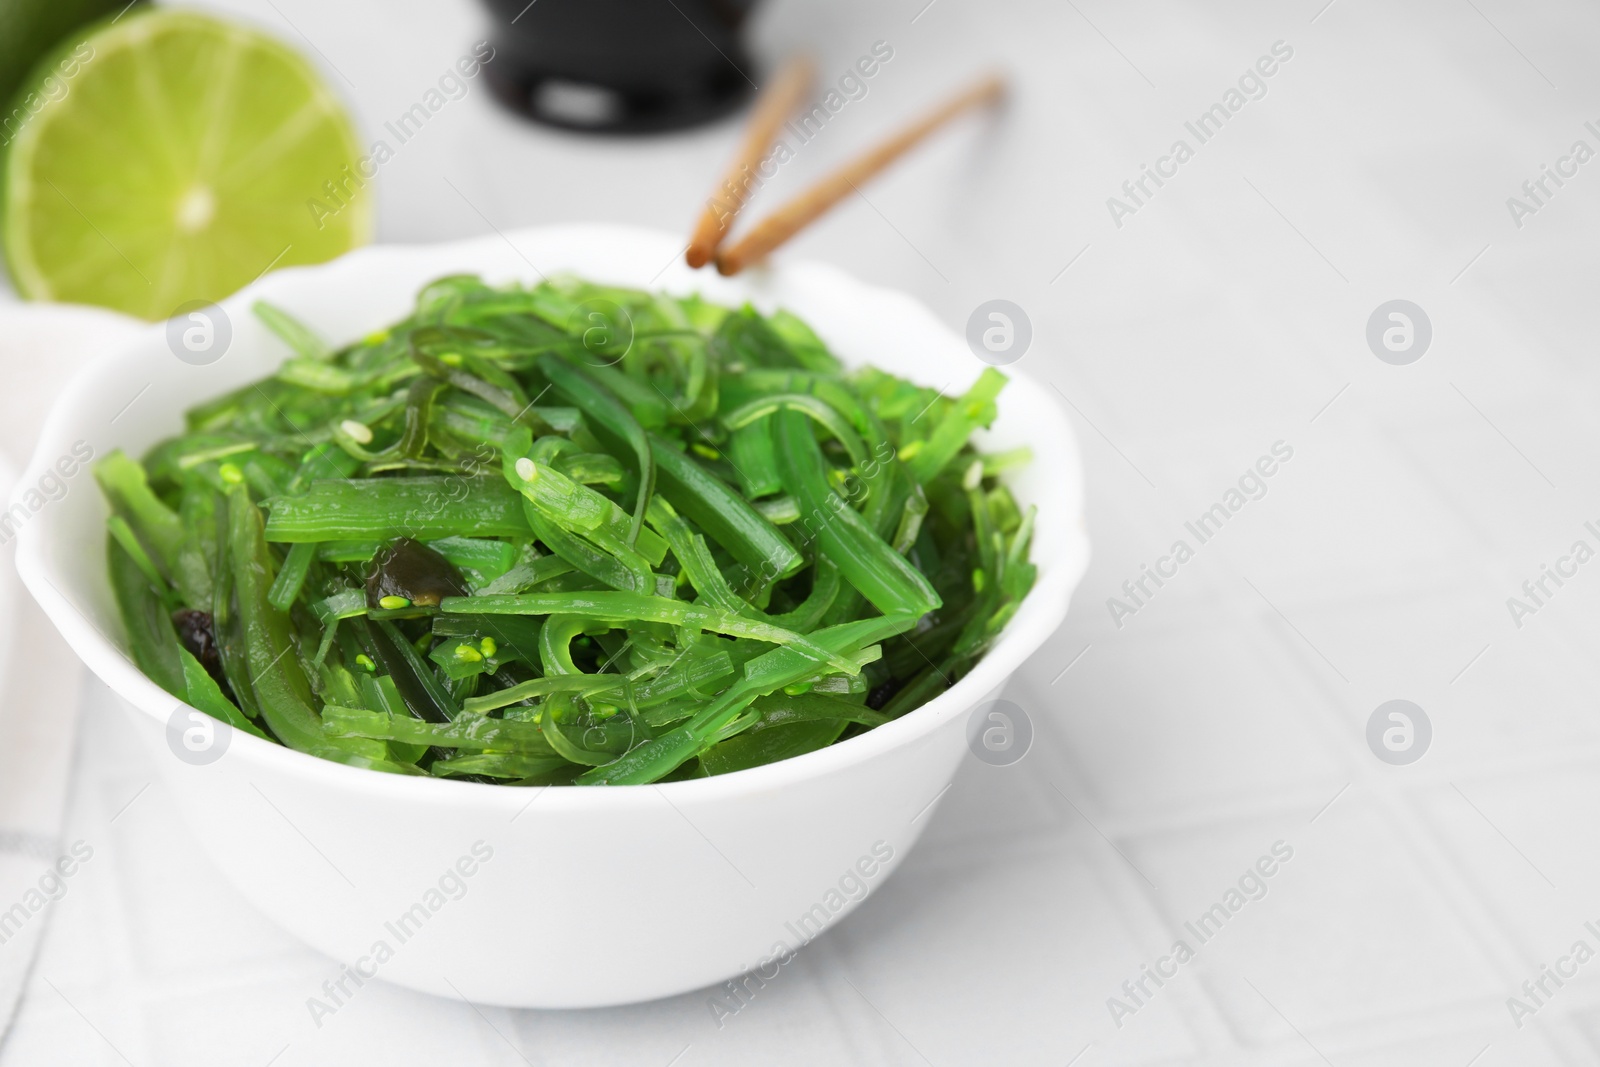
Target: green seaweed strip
(151, 639)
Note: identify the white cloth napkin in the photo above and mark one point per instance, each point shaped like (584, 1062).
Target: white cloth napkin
(41, 347)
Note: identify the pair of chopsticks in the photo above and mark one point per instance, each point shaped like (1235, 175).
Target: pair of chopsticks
(779, 100)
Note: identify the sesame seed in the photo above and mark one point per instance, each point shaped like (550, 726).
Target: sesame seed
(360, 432)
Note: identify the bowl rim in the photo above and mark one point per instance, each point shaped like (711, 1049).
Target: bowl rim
(1041, 612)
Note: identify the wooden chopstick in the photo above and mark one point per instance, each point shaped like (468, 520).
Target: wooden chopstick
(789, 219)
(782, 96)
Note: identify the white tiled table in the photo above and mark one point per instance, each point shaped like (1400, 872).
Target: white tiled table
(1228, 714)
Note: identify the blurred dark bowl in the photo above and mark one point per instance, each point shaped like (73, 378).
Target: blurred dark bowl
(621, 66)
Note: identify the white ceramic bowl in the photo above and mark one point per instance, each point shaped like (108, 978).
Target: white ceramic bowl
(576, 897)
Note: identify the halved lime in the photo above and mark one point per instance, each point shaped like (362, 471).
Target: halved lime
(183, 159)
